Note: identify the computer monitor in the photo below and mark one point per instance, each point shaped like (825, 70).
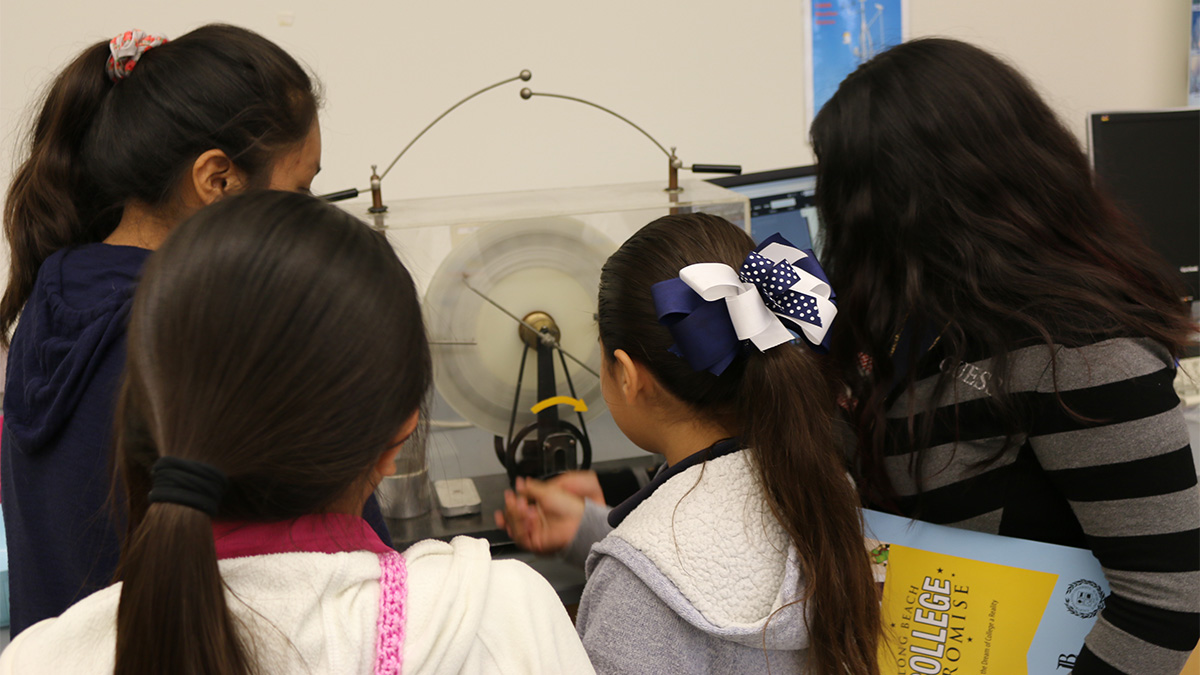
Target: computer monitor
(1150, 161)
(780, 201)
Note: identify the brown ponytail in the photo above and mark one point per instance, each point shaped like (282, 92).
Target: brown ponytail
(783, 408)
(97, 145)
(51, 202)
(788, 410)
(280, 340)
(173, 589)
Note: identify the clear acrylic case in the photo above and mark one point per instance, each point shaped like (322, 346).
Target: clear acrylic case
(527, 251)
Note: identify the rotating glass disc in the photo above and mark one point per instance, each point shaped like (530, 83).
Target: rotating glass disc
(549, 265)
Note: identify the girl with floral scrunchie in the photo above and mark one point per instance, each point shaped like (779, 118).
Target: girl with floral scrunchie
(134, 135)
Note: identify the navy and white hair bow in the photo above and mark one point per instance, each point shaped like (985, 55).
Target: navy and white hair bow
(711, 309)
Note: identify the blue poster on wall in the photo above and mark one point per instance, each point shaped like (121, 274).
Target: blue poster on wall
(843, 34)
(1194, 58)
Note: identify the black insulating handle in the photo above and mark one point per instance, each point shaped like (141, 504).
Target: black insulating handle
(346, 194)
(735, 169)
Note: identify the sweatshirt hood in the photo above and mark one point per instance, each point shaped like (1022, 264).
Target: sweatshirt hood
(707, 545)
(76, 315)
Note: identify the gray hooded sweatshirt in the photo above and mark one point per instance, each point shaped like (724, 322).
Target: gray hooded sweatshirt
(698, 577)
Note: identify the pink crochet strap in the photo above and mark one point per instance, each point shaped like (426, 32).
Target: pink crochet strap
(389, 647)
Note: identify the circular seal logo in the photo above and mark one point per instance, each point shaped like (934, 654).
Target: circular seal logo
(1085, 599)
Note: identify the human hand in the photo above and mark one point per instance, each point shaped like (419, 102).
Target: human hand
(543, 517)
(581, 483)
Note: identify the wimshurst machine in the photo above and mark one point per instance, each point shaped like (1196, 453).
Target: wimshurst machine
(509, 285)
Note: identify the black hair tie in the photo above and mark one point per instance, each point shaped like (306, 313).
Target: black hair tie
(188, 483)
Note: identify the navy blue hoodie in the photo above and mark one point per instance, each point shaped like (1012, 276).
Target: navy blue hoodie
(64, 370)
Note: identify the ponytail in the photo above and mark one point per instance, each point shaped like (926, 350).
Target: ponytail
(787, 409)
(97, 145)
(52, 203)
(173, 617)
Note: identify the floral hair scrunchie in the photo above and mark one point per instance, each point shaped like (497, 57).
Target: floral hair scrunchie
(126, 49)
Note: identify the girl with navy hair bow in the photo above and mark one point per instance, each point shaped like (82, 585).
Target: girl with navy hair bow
(746, 551)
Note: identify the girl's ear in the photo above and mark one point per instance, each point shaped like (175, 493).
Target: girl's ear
(213, 176)
(386, 465)
(625, 374)
(635, 382)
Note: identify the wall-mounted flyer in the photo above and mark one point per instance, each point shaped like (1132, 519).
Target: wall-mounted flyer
(844, 34)
(1194, 58)
(961, 601)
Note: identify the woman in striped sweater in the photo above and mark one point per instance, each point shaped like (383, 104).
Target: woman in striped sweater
(1008, 339)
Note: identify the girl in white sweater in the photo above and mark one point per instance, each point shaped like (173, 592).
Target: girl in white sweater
(277, 364)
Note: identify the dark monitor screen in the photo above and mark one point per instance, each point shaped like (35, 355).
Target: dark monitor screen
(781, 201)
(1150, 162)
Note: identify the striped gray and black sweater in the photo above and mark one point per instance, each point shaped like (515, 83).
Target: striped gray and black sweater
(1122, 485)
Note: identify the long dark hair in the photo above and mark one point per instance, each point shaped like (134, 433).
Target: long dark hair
(97, 144)
(957, 206)
(280, 340)
(779, 403)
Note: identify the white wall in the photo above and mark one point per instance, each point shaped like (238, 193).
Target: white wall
(722, 80)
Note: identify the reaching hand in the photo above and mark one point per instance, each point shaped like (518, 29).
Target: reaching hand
(580, 483)
(543, 517)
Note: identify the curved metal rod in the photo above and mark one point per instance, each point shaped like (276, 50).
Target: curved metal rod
(524, 95)
(524, 75)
